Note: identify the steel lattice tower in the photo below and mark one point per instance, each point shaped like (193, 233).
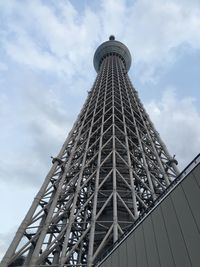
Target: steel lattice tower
(111, 168)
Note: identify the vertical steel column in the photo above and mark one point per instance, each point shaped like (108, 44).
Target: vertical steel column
(94, 210)
(115, 217)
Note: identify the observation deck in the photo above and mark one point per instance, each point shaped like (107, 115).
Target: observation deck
(109, 47)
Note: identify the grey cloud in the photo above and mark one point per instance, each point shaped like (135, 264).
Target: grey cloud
(178, 122)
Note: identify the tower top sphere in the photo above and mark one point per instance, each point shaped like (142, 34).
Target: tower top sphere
(109, 47)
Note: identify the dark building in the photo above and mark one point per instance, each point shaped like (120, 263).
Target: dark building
(110, 172)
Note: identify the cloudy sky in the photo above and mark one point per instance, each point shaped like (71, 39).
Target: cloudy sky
(46, 53)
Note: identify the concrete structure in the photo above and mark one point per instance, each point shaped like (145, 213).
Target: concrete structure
(111, 168)
(169, 234)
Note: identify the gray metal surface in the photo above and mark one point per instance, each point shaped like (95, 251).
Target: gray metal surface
(150, 243)
(170, 234)
(111, 168)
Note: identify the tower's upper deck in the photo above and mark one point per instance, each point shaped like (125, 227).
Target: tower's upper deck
(111, 46)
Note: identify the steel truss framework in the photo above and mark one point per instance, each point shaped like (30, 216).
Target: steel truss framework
(112, 166)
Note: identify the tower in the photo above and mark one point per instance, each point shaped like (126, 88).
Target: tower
(111, 168)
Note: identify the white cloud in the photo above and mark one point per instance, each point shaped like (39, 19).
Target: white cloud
(155, 28)
(55, 37)
(178, 122)
(41, 128)
(51, 38)
(25, 51)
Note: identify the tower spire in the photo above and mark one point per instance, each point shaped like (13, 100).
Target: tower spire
(111, 37)
(111, 168)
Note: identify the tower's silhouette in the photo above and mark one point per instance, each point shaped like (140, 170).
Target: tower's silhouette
(112, 166)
